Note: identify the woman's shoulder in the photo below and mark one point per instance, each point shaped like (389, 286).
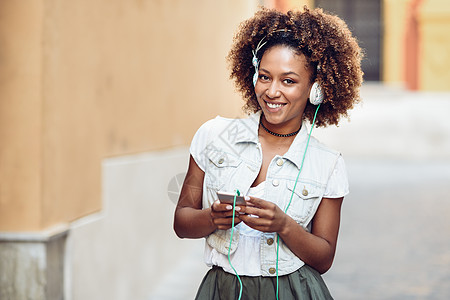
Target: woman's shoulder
(211, 128)
(322, 147)
(213, 125)
(219, 124)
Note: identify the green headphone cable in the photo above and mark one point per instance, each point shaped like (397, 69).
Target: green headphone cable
(231, 239)
(295, 185)
(285, 211)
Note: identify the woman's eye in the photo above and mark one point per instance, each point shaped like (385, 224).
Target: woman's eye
(288, 81)
(263, 77)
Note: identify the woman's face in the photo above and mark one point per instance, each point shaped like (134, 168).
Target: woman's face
(283, 86)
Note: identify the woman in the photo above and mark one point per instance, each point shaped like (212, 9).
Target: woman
(286, 66)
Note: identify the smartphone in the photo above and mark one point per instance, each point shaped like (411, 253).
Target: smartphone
(229, 198)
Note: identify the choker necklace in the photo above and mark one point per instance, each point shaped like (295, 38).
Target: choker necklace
(278, 134)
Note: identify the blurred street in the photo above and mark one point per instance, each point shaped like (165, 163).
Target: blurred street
(394, 239)
(101, 99)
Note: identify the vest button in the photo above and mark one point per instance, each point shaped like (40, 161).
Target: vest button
(270, 241)
(275, 182)
(272, 270)
(305, 192)
(221, 161)
(280, 162)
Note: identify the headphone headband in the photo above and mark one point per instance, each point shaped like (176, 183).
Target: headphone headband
(255, 61)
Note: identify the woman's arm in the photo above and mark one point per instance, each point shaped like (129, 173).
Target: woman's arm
(316, 248)
(191, 221)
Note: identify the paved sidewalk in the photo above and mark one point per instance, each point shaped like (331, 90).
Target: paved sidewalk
(395, 235)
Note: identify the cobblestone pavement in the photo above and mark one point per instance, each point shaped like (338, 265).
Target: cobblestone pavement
(394, 240)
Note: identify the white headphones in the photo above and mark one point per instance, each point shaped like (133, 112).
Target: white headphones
(316, 94)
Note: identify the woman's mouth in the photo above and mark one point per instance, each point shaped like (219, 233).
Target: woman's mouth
(274, 105)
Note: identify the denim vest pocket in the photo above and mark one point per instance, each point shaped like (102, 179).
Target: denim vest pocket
(221, 167)
(305, 201)
(220, 240)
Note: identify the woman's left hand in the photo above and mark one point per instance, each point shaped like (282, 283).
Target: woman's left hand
(263, 215)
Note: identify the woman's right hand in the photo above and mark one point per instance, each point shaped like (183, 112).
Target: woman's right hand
(222, 215)
(191, 220)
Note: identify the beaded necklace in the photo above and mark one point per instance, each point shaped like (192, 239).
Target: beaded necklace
(278, 134)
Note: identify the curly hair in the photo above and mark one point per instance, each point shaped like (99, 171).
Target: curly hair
(329, 48)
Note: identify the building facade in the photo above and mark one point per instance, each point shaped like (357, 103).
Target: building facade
(98, 103)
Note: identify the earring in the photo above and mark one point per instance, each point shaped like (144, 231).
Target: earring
(316, 94)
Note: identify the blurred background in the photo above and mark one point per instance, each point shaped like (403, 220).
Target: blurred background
(99, 101)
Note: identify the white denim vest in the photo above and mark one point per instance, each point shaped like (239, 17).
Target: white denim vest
(234, 161)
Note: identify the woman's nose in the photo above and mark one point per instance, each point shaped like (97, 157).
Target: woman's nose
(273, 91)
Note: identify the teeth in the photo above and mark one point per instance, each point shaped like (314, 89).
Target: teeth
(271, 105)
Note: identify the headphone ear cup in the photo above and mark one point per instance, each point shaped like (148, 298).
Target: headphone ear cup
(316, 94)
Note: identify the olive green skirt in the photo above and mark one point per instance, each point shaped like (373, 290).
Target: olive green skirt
(305, 283)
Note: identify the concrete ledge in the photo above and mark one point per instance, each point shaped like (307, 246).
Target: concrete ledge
(38, 236)
(32, 264)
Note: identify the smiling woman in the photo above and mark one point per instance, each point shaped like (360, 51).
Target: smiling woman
(326, 42)
(283, 88)
(284, 236)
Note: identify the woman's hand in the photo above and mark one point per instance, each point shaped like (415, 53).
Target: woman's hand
(263, 215)
(191, 220)
(222, 215)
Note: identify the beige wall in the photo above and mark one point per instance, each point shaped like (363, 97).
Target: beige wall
(285, 5)
(20, 114)
(84, 80)
(433, 44)
(434, 55)
(394, 30)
